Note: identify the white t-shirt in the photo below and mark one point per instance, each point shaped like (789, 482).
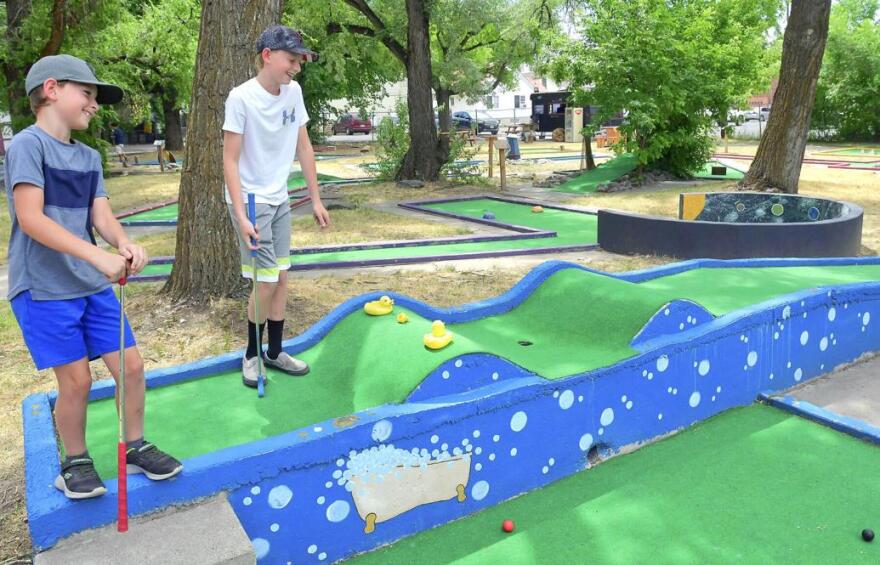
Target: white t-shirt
(270, 126)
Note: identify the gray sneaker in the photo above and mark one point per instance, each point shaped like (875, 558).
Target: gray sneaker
(250, 371)
(288, 364)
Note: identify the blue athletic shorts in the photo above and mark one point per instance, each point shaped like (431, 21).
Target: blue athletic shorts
(58, 332)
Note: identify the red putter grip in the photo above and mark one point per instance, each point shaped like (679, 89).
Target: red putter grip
(122, 281)
(122, 494)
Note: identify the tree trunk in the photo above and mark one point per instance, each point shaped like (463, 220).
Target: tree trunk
(173, 133)
(444, 113)
(780, 153)
(588, 145)
(16, 12)
(422, 160)
(207, 260)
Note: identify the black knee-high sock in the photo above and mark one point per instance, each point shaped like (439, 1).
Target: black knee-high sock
(252, 339)
(276, 330)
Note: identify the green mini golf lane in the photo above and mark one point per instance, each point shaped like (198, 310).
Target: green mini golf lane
(608, 171)
(367, 361)
(729, 174)
(753, 485)
(572, 228)
(169, 212)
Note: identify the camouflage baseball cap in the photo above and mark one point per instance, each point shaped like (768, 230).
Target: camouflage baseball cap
(283, 38)
(68, 67)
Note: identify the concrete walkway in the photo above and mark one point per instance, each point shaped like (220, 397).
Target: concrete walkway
(205, 534)
(853, 391)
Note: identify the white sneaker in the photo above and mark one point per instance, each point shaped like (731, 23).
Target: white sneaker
(288, 364)
(250, 371)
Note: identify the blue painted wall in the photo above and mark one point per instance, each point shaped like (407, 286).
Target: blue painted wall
(544, 429)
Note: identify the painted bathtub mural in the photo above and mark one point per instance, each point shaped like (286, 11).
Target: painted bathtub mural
(385, 482)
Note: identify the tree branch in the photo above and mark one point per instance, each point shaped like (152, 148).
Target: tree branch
(380, 29)
(53, 44)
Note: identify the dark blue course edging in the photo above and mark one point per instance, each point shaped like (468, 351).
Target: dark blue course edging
(491, 415)
(852, 426)
(519, 233)
(627, 233)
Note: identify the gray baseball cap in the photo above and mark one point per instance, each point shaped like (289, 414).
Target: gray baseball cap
(68, 67)
(278, 37)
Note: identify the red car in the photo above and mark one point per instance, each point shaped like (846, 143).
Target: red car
(351, 123)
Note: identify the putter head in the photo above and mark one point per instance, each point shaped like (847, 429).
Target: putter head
(261, 387)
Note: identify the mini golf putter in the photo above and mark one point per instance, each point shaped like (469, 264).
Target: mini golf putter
(122, 466)
(252, 216)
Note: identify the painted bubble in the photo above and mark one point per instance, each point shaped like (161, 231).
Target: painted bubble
(566, 399)
(518, 421)
(752, 358)
(279, 497)
(338, 511)
(382, 430)
(480, 490)
(832, 314)
(586, 442)
(704, 367)
(607, 417)
(662, 363)
(805, 337)
(261, 547)
(695, 399)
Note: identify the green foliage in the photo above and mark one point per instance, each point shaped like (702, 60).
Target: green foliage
(393, 140)
(675, 67)
(350, 66)
(848, 91)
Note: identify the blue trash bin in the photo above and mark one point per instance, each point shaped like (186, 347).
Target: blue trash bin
(513, 144)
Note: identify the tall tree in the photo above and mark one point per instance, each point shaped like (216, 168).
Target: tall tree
(675, 68)
(780, 153)
(207, 260)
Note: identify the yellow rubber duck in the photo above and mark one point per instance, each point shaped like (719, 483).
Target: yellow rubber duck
(402, 318)
(439, 337)
(379, 307)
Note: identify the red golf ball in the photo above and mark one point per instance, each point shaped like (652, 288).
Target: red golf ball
(507, 526)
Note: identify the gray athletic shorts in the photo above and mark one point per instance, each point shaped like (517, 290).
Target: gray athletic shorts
(273, 255)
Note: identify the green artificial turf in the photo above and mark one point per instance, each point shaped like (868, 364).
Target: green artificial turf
(606, 172)
(868, 151)
(572, 228)
(706, 172)
(169, 212)
(753, 485)
(576, 320)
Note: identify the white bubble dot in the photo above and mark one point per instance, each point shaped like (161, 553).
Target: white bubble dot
(459, 363)
(585, 442)
(629, 405)
(274, 527)
(805, 337)
(662, 363)
(494, 376)
(518, 421)
(798, 375)
(321, 500)
(545, 469)
(695, 399)
(704, 367)
(338, 511)
(607, 417)
(435, 438)
(752, 358)
(496, 438)
(866, 318)
(660, 416)
(566, 399)
(832, 314)
(476, 434)
(247, 501)
(322, 556)
(480, 490)
(823, 344)
(445, 374)
(261, 547)
(513, 452)
(312, 549)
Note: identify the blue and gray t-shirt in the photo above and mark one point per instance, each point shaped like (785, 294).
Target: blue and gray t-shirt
(71, 177)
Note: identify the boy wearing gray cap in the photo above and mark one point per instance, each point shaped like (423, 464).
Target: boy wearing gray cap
(264, 127)
(59, 279)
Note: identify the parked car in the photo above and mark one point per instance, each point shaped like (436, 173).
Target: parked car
(478, 121)
(351, 123)
(758, 113)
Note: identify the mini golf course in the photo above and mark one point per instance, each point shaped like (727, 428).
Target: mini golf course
(753, 485)
(556, 229)
(608, 171)
(165, 213)
(385, 438)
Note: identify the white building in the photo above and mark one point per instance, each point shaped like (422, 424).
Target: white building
(511, 106)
